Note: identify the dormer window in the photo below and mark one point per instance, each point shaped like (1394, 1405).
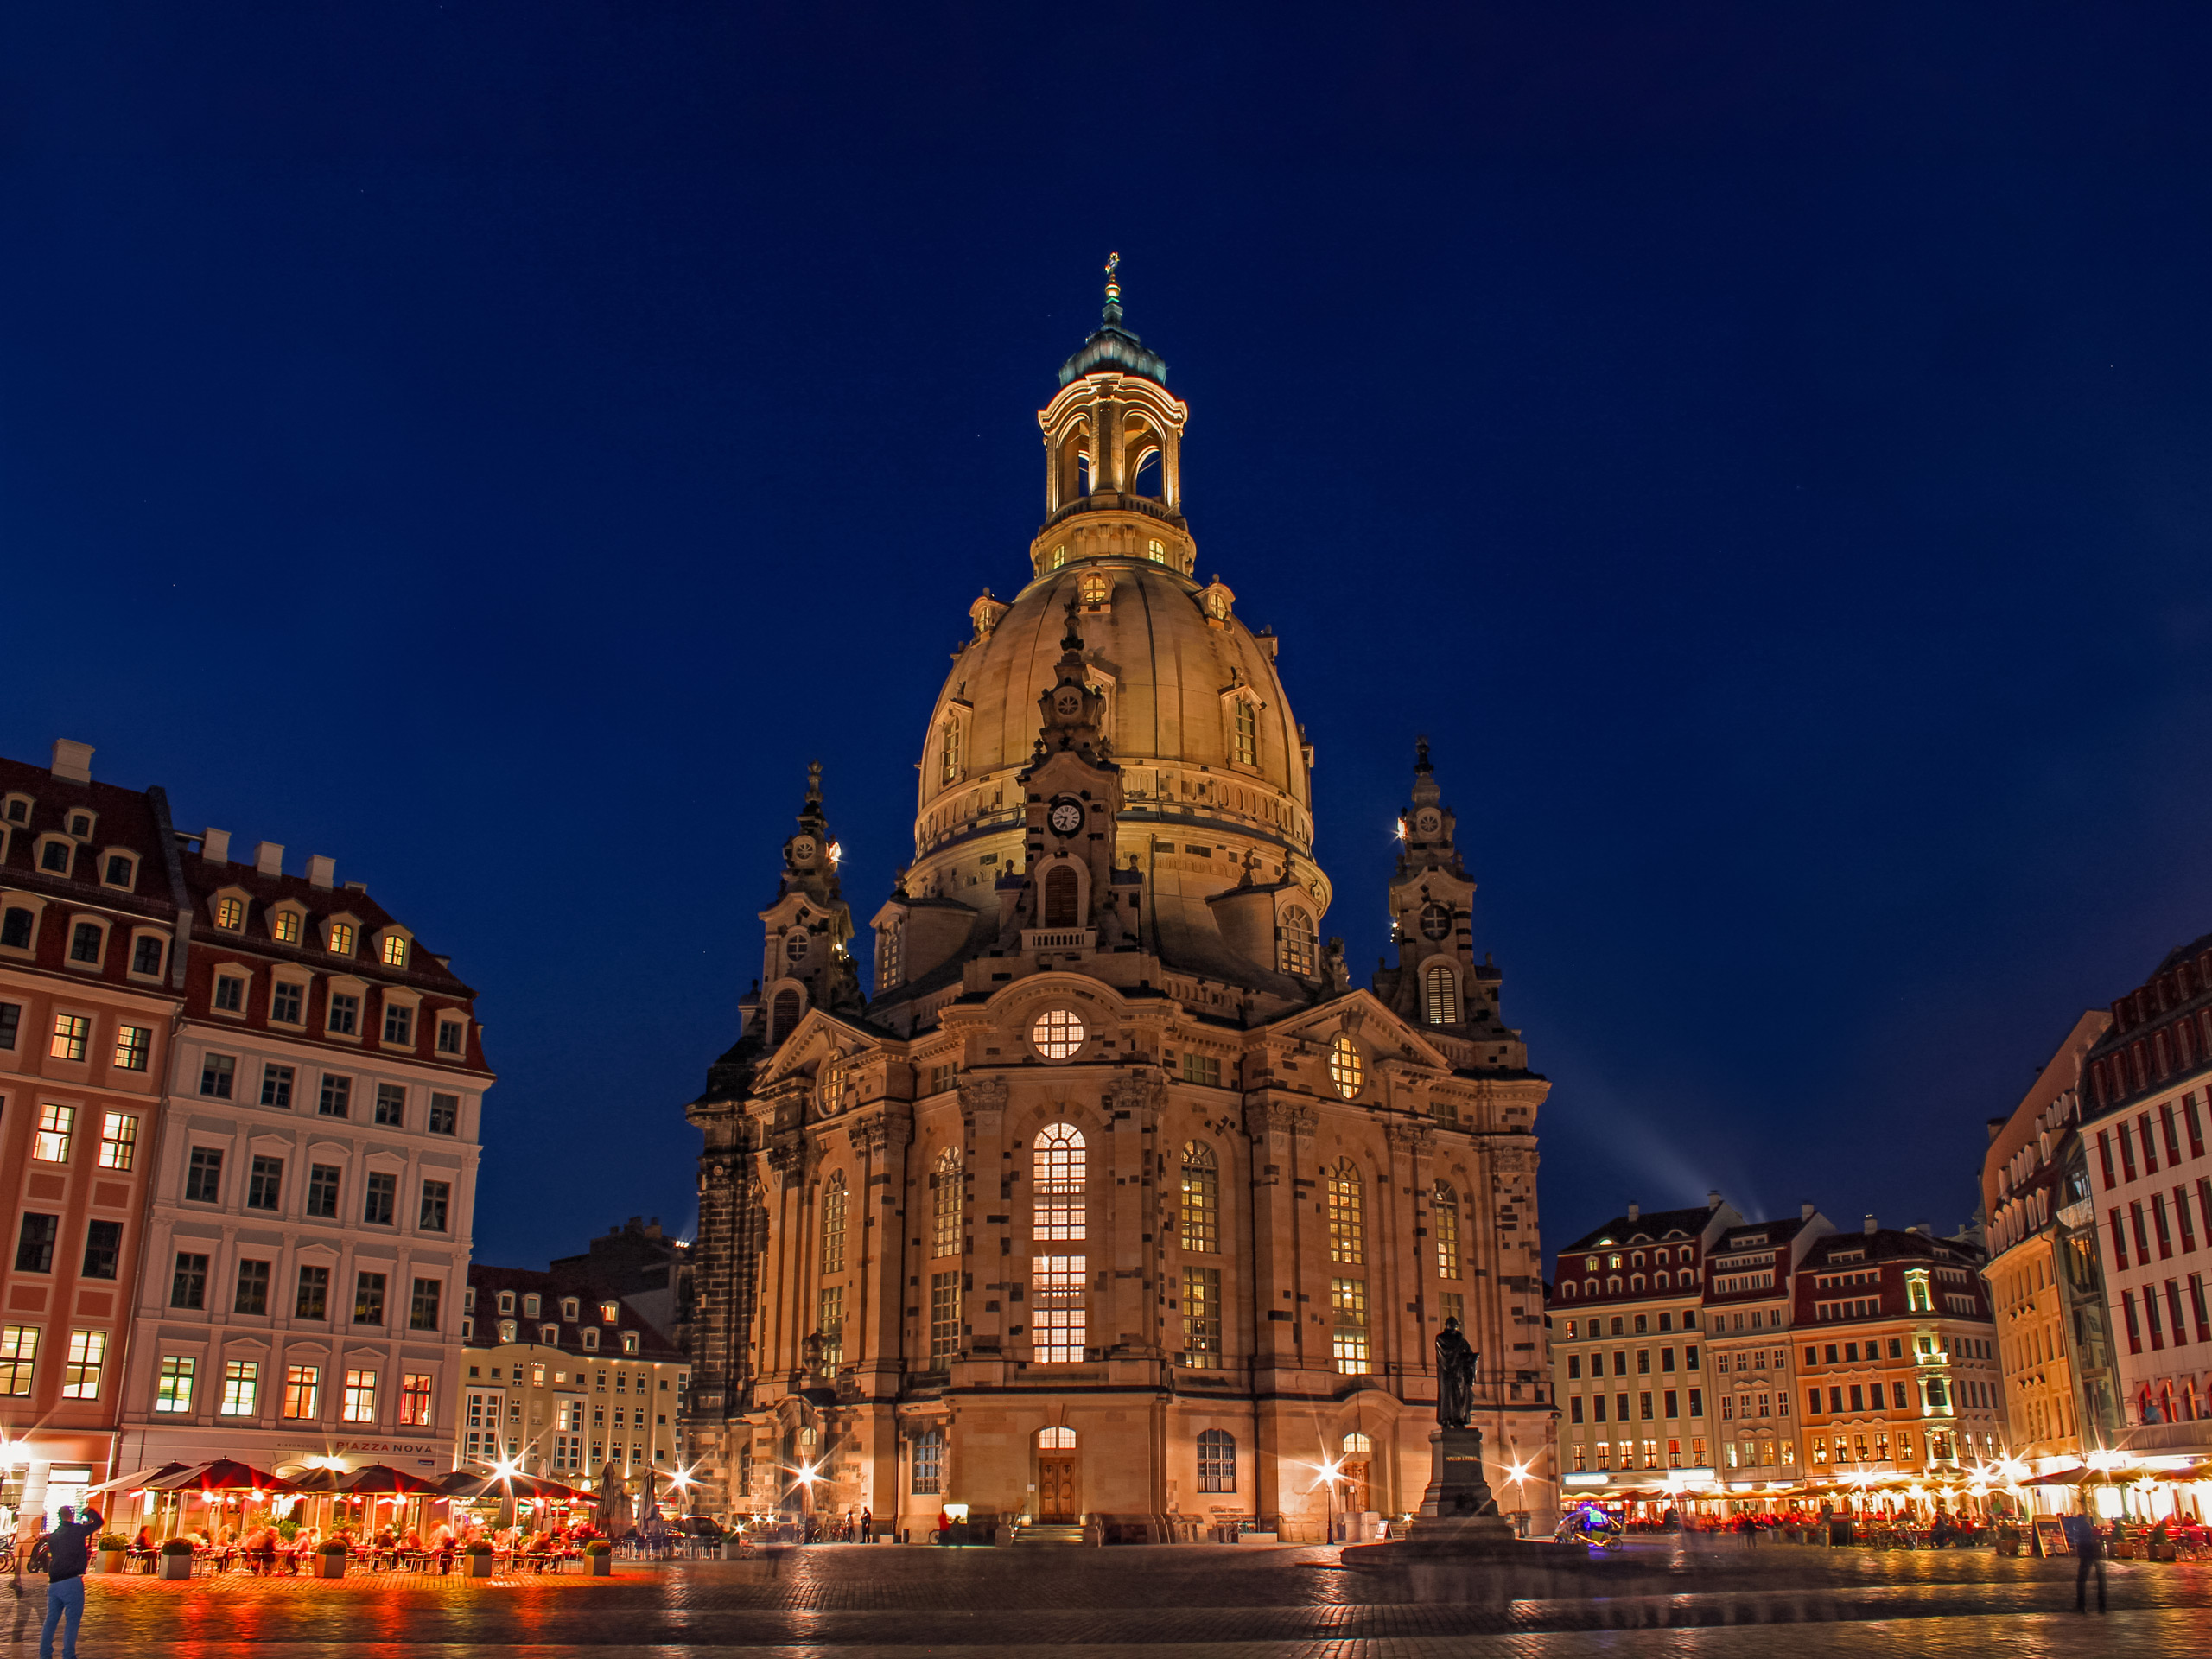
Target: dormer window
(629, 1342)
(529, 1307)
(550, 1335)
(122, 871)
(57, 856)
(1095, 587)
(392, 952)
(506, 1330)
(341, 938)
(453, 1037)
(18, 809)
(1245, 732)
(569, 1309)
(80, 825)
(87, 940)
(230, 914)
(286, 926)
(609, 1311)
(591, 1338)
(506, 1301)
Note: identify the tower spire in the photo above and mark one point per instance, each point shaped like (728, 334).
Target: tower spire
(1113, 311)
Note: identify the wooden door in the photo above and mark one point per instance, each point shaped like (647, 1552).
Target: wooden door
(1356, 1494)
(1056, 1489)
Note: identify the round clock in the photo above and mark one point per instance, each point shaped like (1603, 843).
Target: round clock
(1429, 823)
(1068, 704)
(802, 848)
(1065, 817)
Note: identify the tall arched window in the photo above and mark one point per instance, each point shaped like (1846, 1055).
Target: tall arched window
(783, 1016)
(1057, 1218)
(1298, 942)
(1201, 1229)
(929, 1463)
(1443, 996)
(833, 1225)
(1447, 1231)
(1347, 1215)
(1062, 896)
(945, 1204)
(949, 751)
(886, 958)
(1246, 750)
(1217, 1461)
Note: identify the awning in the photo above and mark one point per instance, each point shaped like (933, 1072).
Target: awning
(131, 1483)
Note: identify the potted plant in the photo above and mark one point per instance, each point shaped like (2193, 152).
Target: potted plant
(476, 1557)
(111, 1548)
(599, 1558)
(176, 1560)
(330, 1559)
(2008, 1540)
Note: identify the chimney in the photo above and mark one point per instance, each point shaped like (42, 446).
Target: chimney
(1805, 1210)
(1712, 1198)
(1634, 1211)
(73, 761)
(268, 858)
(321, 871)
(215, 846)
(1869, 1227)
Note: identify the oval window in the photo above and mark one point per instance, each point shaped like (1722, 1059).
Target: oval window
(1435, 921)
(1057, 1033)
(1346, 1069)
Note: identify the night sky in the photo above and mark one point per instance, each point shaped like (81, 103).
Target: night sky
(1767, 448)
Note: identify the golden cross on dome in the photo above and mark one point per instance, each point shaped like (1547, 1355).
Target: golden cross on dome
(1113, 282)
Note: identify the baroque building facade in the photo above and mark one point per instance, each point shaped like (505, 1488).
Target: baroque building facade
(1114, 1204)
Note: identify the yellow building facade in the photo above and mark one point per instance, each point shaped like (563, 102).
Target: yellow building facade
(1114, 1206)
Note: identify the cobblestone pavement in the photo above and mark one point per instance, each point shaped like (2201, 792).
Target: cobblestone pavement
(885, 1602)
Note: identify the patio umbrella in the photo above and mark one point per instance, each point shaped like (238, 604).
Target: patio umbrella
(131, 1483)
(221, 1475)
(383, 1478)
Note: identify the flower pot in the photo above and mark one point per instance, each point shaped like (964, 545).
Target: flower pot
(477, 1566)
(175, 1567)
(599, 1566)
(329, 1566)
(111, 1560)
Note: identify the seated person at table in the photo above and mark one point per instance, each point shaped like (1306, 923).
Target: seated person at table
(413, 1541)
(144, 1540)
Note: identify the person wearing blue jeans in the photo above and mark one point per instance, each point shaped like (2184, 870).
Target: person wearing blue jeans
(68, 1553)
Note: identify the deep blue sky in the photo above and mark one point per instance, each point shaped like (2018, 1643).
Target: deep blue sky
(1769, 448)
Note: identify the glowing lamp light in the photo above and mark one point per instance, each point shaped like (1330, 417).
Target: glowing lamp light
(836, 852)
(1517, 1472)
(1400, 829)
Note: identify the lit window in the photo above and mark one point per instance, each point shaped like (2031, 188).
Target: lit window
(833, 1225)
(72, 1032)
(173, 1388)
(415, 1401)
(1202, 1068)
(886, 958)
(56, 1124)
(302, 1384)
(341, 938)
(949, 771)
(1156, 552)
(1200, 1231)
(1347, 1215)
(945, 1203)
(1443, 986)
(1095, 589)
(1299, 951)
(1057, 1033)
(18, 1353)
(1247, 733)
(395, 950)
(1060, 556)
(1348, 1346)
(829, 1322)
(230, 914)
(134, 1047)
(609, 1312)
(945, 1315)
(1202, 1317)
(119, 1141)
(629, 1342)
(929, 1462)
(286, 927)
(241, 1388)
(1346, 1069)
(1447, 1231)
(1217, 1461)
(1057, 1328)
(1058, 1172)
(80, 1372)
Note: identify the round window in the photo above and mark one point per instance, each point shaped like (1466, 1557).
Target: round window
(1346, 1069)
(1093, 589)
(1435, 921)
(795, 947)
(1057, 1033)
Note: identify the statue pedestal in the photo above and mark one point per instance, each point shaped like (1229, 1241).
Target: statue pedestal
(1457, 1507)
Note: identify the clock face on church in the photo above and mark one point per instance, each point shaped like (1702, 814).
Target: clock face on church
(1428, 823)
(1065, 817)
(802, 848)
(1069, 703)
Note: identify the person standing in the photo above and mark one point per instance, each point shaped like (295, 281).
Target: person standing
(67, 1556)
(2089, 1547)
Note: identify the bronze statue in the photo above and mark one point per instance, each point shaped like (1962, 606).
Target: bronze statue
(1455, 1376)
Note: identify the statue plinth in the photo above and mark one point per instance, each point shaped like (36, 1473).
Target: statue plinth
(1457, 1505)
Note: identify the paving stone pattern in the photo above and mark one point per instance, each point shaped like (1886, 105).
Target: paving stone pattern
(853, 1602)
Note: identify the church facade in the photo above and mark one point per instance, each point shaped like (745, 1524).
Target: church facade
(1111, 1203)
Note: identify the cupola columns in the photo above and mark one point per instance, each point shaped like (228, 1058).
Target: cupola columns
(1114, 430)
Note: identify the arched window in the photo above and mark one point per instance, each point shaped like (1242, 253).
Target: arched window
(1217, 1461)
(929, 1463)
(1347, 1215)
(1246, 732)
(1057, 1218)
(1297, 950)
(1589, 1287)
(1201, 1229)
(1660, 1281)
(833, 1225)
(1443, 996)
(1358, 1445)
(1447, 1231)
(1062, 894)
(1346, 1068)
(948, 749)
(1059, 555)
(1157, 552)
(1567, 1290)
(1636, 1281)
(945, 1204)
(833, 1089)
(1059, 1437)
(782, 1017)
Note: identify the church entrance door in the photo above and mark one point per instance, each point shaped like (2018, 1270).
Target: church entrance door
(1356, 1494)
(1056, 1505)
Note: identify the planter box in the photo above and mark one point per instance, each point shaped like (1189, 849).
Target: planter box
(173, 1567)
(476, 1566)
(2162, 1549)
(109, 1561)
(328, 1566)
(599, 1566)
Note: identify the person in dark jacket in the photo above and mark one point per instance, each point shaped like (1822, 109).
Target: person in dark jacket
(67, 1556)
(2088, 1546)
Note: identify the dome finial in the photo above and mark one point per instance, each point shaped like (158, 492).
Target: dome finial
(1113, 311)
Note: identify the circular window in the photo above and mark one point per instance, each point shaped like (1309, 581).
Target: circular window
(795, 947)
(1093, 589)
(1435, 921)
(1057, 1033)
(1346, 1070)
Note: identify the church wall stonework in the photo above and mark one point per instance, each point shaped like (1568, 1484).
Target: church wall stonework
(1116, 1205)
